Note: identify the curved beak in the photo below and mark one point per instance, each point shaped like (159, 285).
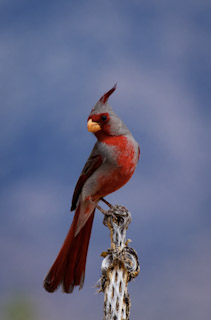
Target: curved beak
(93, 126)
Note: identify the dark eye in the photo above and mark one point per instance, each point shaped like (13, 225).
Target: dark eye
(104, 118)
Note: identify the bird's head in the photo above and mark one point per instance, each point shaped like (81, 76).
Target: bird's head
(102, 121)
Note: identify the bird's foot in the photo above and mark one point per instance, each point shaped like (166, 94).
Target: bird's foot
(110, 212)
(106, 213)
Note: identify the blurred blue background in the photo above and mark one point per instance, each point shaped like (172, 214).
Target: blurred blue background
(56, 60)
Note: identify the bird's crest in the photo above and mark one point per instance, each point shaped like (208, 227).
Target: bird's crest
(102, 104)
(105, 97)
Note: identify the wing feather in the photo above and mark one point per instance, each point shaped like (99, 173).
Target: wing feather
(94, 161)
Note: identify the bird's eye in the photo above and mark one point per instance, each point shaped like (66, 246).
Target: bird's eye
(104, 118)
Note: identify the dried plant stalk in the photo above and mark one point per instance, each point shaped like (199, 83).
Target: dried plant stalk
(119, 266)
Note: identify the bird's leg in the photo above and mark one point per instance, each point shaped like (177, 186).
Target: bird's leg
(106, 202)
(101, 210)
(98, 207)
(107, 213)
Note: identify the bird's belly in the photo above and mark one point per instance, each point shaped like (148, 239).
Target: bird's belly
(120, 165)
(111, 178)
(111, 182)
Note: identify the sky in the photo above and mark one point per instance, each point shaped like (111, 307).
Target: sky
(57, 58)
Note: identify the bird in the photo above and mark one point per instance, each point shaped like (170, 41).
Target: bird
(110, 165)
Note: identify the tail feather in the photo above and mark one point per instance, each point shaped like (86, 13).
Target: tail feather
(69, 266)
(75, 275)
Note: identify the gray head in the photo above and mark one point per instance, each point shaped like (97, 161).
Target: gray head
(102, 119)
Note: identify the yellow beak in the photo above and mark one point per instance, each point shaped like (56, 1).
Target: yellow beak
(93, 126)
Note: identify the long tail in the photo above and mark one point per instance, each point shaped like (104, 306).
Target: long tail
(68, 269)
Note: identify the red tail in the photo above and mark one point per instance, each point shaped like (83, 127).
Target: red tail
(69, 266)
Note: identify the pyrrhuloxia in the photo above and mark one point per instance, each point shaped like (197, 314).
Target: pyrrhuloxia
(110, 165)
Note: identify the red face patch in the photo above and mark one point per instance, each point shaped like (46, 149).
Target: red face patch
(103, 120)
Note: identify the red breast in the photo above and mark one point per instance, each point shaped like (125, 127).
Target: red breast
(126, 159)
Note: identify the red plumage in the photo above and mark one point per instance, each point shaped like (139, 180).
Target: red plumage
(111, 164)
(68, 269)
(105, 97)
